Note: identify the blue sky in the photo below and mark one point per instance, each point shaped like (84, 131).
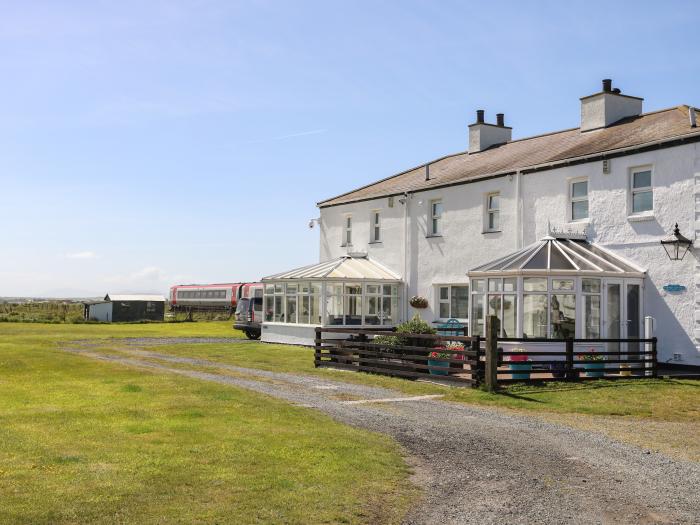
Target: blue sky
(148, 143)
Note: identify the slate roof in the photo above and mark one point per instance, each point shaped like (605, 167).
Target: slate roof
(532, 153)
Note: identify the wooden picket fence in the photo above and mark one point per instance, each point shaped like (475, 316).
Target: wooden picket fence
(483, 360)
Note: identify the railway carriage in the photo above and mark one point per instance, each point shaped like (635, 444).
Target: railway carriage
(223, 296)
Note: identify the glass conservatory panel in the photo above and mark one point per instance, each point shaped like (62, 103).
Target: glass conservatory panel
(591, 316)
(590, 285)
(460, 302)
(562, 284)
(563, 316)
(390, 310)
(495, 285)
(477, 322)
(353, 309)
(510, 284)
(510, 317)
(372, 309)
(534, 315)
(535, 284)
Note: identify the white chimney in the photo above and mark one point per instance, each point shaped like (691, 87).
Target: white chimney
(607, 107)
(483, 135)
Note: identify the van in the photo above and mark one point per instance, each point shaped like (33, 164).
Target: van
(249, 316)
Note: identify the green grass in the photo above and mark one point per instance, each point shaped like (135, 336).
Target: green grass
(658, 399)
(86, 441)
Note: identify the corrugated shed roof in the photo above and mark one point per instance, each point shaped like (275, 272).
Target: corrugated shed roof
(134, 297)
(563, 256)
(532, 152)
(343, 268)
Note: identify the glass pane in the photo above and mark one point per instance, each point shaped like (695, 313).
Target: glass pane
(314, 309)
(494, 308)
(591, 316)
(590, 285)
(612, 317)
(535, 284)
(493, 202)
(642, 201)
(633, 313)
(304, 309)
(579, 210)
(334, 310)
(641, 179)
(372, 289)
(334, 289)
(436, 226)
(279, 309)
(353, 309)
(316, 288)
(390, 310)
(303, 288)
(372, 310)
(444, 310)
(391, 289)
(353, 289)
(376, 218)
(495, 285)
(510, 284)
(493, 220)
(477, 321)
(291, 288)
(460, 302)
(269, 307)
(348, 222)
(563, 316)
(534, 316)
(437, 209)
(562, 284)
(444, 293)
(291, 309)
(509, 315)
(279, 288)
(579, 189)
(269, 288)
(478, 285)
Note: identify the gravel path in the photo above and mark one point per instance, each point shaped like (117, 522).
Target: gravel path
(479, 465)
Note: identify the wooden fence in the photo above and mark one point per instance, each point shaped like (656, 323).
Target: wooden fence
(488, 360)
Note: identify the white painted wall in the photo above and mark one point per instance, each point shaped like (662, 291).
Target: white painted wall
(464, 245)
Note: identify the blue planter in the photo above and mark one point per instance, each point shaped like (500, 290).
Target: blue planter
(438, 362)
(597, 367)
(520, 366)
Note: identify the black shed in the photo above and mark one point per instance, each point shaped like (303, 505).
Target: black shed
(127, 308)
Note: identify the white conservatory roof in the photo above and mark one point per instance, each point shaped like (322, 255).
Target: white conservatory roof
(346, 267)
(561, 256)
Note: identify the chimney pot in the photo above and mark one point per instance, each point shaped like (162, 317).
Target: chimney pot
(607, 85)
(616, 91)
(500, 119)
(479, 116)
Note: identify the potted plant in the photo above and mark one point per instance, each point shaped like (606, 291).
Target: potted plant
(520, 362)
(593, 363)
(418, 302)
(439, 357)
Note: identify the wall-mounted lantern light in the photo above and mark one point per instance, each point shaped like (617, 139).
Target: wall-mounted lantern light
(677, 245)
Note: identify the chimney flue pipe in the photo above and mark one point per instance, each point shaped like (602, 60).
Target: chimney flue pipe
(607, 85)
(479, 116)
(500, 119)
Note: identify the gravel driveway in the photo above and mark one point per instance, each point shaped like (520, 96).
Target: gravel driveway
(478, 465)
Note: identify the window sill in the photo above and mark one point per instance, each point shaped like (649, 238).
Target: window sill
(491, 231)
(433, 235)
(587, 220)
(346, 245)
(640, 217)
(375, 242)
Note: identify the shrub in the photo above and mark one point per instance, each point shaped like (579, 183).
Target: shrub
(414, 326)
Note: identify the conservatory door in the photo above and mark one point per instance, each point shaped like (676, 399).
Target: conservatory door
(613, 313)
(623, 313)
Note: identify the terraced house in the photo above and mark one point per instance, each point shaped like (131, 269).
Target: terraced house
(559, 235)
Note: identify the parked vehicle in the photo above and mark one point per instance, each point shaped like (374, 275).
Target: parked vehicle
(223, 296)
(249, 314)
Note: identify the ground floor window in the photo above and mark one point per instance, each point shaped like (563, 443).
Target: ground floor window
(351, 304)
(293, 302)
(453, 301)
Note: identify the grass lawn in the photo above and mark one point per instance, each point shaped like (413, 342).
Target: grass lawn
(86, 441)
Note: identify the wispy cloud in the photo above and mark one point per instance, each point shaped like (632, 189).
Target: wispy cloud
(290, 136)
(82, 255)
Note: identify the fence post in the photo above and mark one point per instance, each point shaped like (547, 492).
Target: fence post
(491, 353)
(476, 368)
(570, 374)
(654, 362)
(317, 347)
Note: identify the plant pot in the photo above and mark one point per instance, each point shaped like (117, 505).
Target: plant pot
(520, 366)
(438, 362)
(594, 369)
(558, 370)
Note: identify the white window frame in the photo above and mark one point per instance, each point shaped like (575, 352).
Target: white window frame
(347, 230)
(435, 226)
(375, 226)
(489, 211)
(645, 189)
(448, 301)
(573, 199)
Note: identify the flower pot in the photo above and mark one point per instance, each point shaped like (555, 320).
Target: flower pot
(594, 369)
(558, 370)
(520, 366)
(438, 362)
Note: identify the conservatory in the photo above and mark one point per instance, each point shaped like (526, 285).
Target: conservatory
(559, 288)
(350, 291)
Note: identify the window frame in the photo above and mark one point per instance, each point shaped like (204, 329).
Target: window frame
(573, 200)
(645, 189)
(489, 211)
(347, 230)
(375, 226)
(435, 225)
(448, 301)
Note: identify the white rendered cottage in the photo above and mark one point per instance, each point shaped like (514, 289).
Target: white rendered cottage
(598, 198)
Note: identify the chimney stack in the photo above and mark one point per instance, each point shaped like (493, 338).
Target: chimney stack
(607, 107)
(483, 135)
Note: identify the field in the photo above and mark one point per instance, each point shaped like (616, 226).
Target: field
(83, 441)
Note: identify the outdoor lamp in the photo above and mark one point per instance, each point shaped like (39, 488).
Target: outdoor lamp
(677, 245)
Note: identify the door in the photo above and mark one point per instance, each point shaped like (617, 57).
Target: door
(613, 313)
(633, 318)
(623, 313)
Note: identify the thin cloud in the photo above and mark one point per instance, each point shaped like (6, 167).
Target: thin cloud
(290, 136)
(82, 255)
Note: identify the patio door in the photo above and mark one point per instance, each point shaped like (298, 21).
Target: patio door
(623, 313)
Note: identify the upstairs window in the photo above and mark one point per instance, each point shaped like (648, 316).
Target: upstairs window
(375, 227)
(493, 210)
(347, 231)
(578, 194)
(642, 193)
(435, 217)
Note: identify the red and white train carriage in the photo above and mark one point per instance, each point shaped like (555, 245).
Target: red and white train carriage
(222, 296)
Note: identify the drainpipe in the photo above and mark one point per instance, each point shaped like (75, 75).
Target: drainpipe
(518, 211)
(405, 255)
